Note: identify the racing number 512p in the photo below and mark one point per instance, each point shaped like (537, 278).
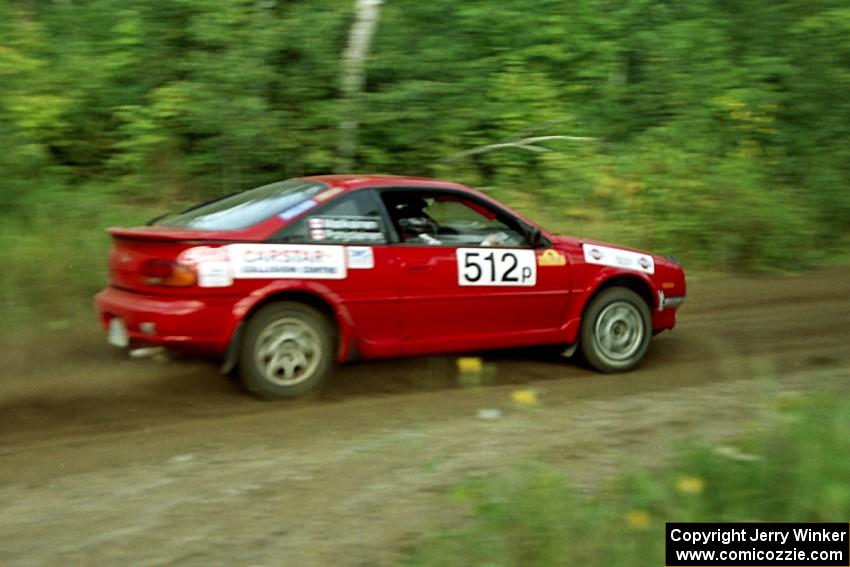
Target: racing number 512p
(473, 261)
(478, 266)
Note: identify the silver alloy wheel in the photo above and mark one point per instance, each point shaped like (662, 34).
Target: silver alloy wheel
(619, 331)
(288, 351)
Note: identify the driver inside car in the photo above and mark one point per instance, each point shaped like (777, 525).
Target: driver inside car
(496, 239)
(413, 222)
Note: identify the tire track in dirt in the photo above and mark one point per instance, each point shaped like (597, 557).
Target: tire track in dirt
(781, 321)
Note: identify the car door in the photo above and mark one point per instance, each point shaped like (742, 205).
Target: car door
(467, 277)
(369, 291)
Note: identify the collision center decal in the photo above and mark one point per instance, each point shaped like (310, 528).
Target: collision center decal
(618, 258)
(219, 266)
(287, 261)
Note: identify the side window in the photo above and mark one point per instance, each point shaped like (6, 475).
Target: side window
(351, 219)
(448, 219)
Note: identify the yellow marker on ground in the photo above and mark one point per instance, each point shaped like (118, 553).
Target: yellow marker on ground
(638, 519)
(524, 397)
(469, 365)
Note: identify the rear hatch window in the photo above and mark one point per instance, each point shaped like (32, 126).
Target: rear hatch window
(245, 209)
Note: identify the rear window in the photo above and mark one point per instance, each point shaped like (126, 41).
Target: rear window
(248, 208)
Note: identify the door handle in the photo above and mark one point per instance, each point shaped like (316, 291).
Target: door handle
(419, 265)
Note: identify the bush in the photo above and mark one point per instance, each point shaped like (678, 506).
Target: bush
(55, 259)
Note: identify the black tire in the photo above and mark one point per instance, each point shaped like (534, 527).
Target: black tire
(615, 330)
(300, 351)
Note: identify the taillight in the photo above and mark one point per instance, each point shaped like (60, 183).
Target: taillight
(168, 273)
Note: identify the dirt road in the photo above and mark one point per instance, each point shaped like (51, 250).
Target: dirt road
(106, 460)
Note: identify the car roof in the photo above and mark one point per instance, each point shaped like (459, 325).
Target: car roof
(351, 182)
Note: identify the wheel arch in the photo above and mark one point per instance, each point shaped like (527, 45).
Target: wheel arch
(629, 281)
(314, 300)
(336, 315)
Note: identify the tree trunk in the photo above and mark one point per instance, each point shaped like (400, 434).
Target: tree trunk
(353, 77)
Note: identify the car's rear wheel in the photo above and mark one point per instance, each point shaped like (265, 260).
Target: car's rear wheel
(288, 350)
(615, 330)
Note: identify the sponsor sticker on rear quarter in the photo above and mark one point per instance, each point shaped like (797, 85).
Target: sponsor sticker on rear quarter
(214, 274)
(198, 254)
(618, 258)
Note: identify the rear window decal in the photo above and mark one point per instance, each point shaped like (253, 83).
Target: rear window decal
(618, 258)
(301, 207)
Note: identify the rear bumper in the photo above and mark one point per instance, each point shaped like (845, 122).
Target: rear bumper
(202, 326)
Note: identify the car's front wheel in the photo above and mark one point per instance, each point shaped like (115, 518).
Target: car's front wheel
(615, 330)
(287, 351)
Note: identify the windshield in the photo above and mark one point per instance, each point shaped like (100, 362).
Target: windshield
(245, 209)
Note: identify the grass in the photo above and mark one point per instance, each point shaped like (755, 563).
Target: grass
(796, 470)
(54, 261)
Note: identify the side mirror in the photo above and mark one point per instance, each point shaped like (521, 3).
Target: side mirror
(535, 237)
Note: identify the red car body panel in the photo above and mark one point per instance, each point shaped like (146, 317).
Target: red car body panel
(409, 303)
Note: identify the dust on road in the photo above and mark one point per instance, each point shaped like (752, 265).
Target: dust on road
(106, 460)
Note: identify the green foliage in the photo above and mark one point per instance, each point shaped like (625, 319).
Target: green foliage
(55, 259)
(787, 473)
(720, 128)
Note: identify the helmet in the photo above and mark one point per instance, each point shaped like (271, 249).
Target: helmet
(414, 226)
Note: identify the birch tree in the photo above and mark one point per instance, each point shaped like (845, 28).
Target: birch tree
(367, 13)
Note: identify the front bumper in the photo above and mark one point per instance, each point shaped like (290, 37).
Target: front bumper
(672, 302)
(664, 317)
(202, 326)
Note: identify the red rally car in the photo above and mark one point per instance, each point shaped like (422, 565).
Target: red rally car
(284, 280)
